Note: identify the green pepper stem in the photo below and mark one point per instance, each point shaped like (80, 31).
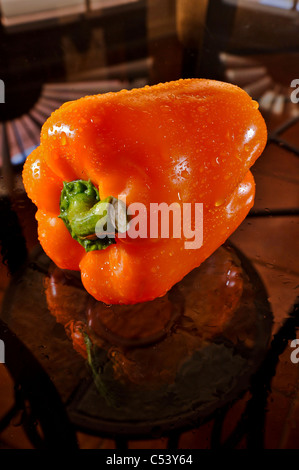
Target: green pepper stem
(90, 221)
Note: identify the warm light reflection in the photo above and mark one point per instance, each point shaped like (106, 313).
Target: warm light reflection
(250, 133)
(54, 130)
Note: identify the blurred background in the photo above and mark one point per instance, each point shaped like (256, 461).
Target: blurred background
(54, 51)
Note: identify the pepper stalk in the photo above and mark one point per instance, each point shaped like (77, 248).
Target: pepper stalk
(92, 222)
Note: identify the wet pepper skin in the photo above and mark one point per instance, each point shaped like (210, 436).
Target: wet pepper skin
(183, 141)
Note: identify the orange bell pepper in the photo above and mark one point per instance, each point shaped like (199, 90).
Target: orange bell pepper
(187, 141)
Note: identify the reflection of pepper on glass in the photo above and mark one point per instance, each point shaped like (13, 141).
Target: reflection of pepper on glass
(182, 142)
(148, 343)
